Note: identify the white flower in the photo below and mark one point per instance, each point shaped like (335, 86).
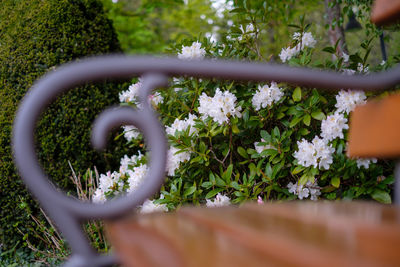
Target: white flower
(303, 192)
(287, 53)
(106, 182)
(219, 201)
(98, 196)
(333, 126)
(260, 148)
(305, 155)
(109, 182)
(362, 69)
(136, 177)
(249, 31)
(156, 99)
(348, 100)
(130, 132)
(174, 159)
(220, 107)
(307, 40)
(266, 96)
(131, 94)
(316, 154)
(311, 190)
(192, 52)
(323, 152)
(314, 189)
(383, 63)
(349, 72)
(365, 162)
(182, 125)
(149, 206)
(126, 161)
(345, 57)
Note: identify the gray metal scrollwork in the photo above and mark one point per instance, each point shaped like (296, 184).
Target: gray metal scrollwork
(68, 213)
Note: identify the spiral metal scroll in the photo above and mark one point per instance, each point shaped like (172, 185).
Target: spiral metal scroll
(69, 213)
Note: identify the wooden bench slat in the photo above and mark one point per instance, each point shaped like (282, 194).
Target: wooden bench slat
(375, 129)
(288, 234)
(385, 11)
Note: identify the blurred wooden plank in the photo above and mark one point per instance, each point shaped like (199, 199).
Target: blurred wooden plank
(375, 129)
(289, 234)
(385, 11)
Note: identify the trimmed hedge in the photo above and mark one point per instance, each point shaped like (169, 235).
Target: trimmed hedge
(35, 36)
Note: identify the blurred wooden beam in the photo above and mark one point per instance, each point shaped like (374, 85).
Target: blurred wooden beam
(385, 12)
(287, 234)
(375, 129)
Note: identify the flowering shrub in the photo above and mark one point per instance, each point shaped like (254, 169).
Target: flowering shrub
(231, 142)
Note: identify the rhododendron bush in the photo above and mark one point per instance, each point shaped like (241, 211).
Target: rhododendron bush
(231, 142)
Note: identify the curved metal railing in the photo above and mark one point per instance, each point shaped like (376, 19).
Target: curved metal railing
(68, 213)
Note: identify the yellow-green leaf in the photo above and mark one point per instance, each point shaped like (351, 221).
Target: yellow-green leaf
(335, 181)
(297, 94)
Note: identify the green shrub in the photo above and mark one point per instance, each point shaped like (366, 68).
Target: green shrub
(35, 36)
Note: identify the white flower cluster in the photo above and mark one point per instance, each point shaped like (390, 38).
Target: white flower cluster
(365, 162)
(249, 31)
(131, 95)
(136, 177)
(333, 126)
(149, 206)
(192, 52)
(219, 201)
(304, 191)
(129, 176)
(266, 96)
(182, 125)
(260, 148)
(220, 107)
(317, 153)
(346, 101)
(174, 159)
(130, 132)
(304, 40)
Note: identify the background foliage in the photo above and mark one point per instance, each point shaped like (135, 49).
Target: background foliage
(35, 37)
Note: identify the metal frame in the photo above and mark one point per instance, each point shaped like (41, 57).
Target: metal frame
(67, 212)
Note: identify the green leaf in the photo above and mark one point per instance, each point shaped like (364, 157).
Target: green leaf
(269, 152)
(297, 94)
(335, 181)
(304, 131)
(235, 129)
(329, 49)
(297, 170)
(381, 196)
(318, 115)
(235, 185)
(214, 192)
(227, 174)
(190, 190)
(307, 119)
(242, 152)
(206, 184)
(295, 121)
(202, 147)
(220, 182)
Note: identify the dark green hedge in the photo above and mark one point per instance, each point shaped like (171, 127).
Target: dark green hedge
(35, 36)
